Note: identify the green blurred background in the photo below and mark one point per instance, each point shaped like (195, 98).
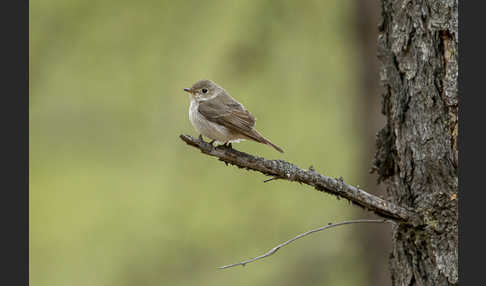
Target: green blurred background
(116, 198)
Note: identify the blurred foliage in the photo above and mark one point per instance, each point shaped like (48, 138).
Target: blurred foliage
(117, 199)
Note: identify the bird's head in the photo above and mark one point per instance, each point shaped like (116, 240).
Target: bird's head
(203, 89)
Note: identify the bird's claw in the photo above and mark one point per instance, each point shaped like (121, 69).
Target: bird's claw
(228, 145)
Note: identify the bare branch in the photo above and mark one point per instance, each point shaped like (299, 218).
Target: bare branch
(271, 179)
(330, 225)
(280, 169)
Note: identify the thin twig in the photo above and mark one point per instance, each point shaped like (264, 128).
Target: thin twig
(330, 225)
(290, 172)
(270, 179)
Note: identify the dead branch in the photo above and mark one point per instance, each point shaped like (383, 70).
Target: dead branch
(330, 225)
(287, 171)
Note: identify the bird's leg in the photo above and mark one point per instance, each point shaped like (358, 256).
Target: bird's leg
(228, 145)
(200, 137)
(212, 141)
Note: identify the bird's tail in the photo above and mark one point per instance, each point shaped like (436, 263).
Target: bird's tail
(259, 138)
(274, 146)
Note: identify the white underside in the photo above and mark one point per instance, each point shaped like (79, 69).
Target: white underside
(214, 131)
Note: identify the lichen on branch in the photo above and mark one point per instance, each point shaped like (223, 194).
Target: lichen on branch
(287, 171)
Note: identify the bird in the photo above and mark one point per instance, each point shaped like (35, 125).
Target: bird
(220, 117)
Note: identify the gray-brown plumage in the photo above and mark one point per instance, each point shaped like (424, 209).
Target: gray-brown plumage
(217, 115)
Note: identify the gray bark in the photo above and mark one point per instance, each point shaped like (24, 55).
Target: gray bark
(417, 149)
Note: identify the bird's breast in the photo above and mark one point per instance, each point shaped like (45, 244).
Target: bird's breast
(193, 111)
(207, 128)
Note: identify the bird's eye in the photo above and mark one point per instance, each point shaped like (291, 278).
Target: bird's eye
(204, 90)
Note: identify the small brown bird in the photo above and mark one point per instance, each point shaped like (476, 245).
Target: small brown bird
(218, 116)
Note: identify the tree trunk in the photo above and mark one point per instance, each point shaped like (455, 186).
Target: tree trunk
(417, 149)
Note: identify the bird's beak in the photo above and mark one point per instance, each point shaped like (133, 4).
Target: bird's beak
(188, 90)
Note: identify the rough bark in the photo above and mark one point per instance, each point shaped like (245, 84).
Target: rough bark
(417, 149)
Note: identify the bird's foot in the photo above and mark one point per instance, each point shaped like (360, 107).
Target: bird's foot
(228, 145)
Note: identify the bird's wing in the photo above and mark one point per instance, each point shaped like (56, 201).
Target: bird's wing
(226, 111)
